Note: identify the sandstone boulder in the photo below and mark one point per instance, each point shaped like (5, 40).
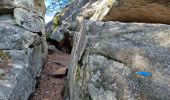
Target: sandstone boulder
(39, 7)
(105, 64)
(148, 11)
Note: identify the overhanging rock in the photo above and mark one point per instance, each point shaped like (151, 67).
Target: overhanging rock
(146, 11)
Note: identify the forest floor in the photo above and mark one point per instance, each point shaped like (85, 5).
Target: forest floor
(52, 79)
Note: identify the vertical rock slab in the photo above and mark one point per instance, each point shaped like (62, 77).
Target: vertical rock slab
(39, 6)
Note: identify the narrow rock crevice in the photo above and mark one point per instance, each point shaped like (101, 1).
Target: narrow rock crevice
(52, 79)
(94, 51)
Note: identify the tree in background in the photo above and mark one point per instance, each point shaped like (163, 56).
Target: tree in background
(54, 6)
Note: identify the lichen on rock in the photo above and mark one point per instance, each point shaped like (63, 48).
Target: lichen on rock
(4, 59)
(23, 47)
(118, 60)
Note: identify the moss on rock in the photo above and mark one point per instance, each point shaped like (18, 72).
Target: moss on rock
(5, 59)
(57, 19)
(78, 77)
(56, 22)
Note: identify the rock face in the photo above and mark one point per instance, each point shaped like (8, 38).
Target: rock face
(146, 11)
(150, 11)
(119, 61)
(64, 23)
(7, 6)
(115, 60)
(23, 47)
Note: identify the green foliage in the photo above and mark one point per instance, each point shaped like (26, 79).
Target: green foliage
(56, 21)
(3, 55)
(78, 77)
(111, 2)
(57, 18)
(2, 74)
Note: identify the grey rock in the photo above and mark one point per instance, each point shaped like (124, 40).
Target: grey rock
(66, 19)
(6, 6)
(15, 37)
(38, 6)
(57, 35)
(28, 19)
(6, 17)
(19, 83)
(2, 72)
(49, 28)
(104, 63)
(44, 49)
(52, 49)
(23, 47)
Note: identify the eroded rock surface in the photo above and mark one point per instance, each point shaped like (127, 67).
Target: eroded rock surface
(148, 11)
(7, 6)
(15, 37)
(23, 47)
(64, 25)
(107, 57)
(29, 20)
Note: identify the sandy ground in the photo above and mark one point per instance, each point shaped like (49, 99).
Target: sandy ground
(51, 82)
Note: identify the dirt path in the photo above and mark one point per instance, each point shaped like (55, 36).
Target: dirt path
(50, 83)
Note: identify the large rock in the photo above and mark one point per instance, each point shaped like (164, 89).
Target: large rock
(6, 17)
(64, 23)
(44, 49)
(28, 19)
(15, 37)
(6, 6)
(38, 6)
(108, 59)
(148, 11)
(24, 66)
(49, 28)
(23, 47)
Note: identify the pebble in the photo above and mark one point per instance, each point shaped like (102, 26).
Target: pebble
(2, 72)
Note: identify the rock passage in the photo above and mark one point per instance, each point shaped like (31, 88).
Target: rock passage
(51, 81)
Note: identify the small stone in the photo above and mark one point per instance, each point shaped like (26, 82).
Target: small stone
(2, 72)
